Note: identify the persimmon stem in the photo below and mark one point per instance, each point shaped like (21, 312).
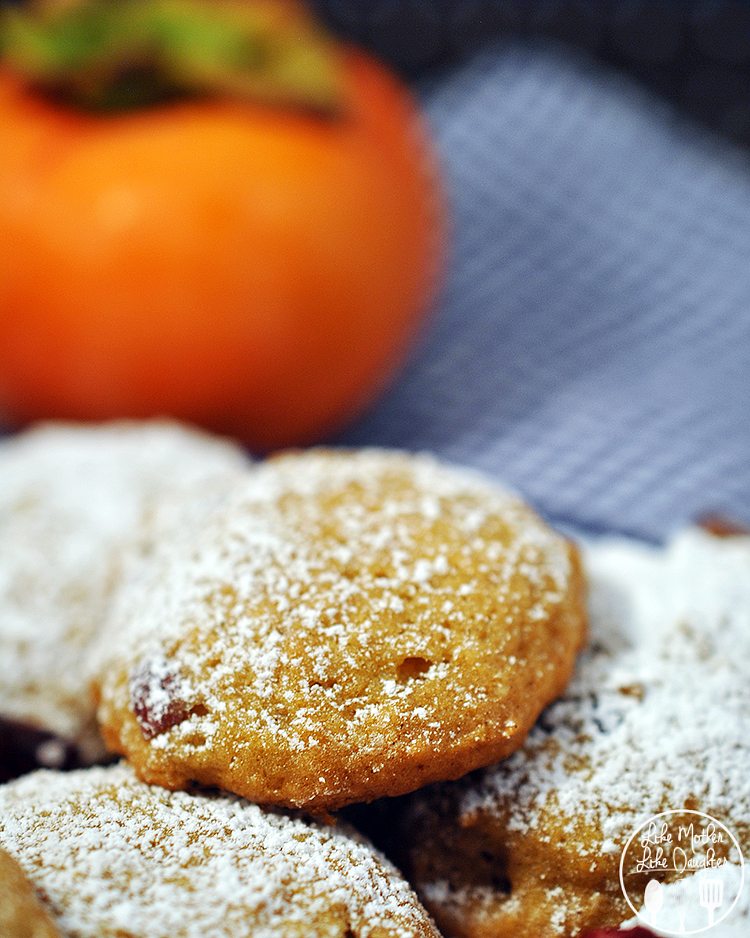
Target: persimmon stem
(110, 54)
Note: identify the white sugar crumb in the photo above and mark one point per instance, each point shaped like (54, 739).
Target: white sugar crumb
(448, 896)
(71, 502)
(283, 555)
(113, 856)
(657, 714)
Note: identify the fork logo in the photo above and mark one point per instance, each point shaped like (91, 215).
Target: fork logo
(682, 872)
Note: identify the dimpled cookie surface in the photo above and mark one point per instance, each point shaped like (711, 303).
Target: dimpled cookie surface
(114, 858)
(655, 719)
(345, 625)
(71, 500)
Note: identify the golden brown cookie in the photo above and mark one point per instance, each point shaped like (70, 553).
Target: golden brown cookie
(346, 625)
(21, 913)
(115, 858)
(655, 719)
(72, 499)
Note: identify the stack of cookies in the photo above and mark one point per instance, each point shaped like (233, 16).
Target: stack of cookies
(266, 644)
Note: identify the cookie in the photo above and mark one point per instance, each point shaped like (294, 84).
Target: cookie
(72, 500)
(114, 858)
(21, 913)
(346, 625)
(655, 719)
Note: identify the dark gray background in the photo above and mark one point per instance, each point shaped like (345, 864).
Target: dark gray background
(696, 52)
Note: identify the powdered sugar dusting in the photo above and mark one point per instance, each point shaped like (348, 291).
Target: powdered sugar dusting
(657, 714)
(385, 568)
(112, 856)
(71, 500)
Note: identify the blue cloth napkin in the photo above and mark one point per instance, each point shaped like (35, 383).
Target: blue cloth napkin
(592, 346)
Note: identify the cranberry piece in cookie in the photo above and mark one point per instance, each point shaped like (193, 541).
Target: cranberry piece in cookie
(158, 697)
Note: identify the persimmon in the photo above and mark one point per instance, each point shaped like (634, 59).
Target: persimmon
(255, 262)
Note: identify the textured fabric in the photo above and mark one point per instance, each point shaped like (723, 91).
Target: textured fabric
(592, 345)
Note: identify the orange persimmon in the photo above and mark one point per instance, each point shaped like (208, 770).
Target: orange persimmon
(253, 267)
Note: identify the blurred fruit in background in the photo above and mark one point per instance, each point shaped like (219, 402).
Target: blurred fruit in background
(208, 210)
